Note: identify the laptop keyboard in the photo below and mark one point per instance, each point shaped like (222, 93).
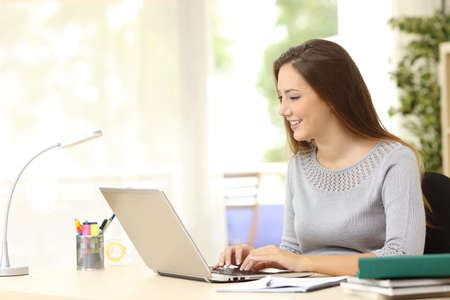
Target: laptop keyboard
(234, 271)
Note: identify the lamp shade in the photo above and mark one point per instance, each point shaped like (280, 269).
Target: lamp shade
(81, 139)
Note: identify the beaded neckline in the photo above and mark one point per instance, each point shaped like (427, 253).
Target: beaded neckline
(347, 178)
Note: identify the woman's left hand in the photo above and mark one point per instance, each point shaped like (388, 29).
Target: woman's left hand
(271, 257)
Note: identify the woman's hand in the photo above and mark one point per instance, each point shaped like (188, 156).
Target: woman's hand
(272, 256)
(233, 255)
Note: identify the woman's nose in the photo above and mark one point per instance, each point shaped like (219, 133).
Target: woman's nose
(283, 110)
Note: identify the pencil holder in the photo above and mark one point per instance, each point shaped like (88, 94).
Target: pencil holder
(90, 252)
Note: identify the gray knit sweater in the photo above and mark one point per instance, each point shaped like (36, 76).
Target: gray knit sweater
(375, 205)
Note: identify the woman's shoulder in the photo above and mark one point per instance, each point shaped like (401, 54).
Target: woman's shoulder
(396, 152)
(399, 157)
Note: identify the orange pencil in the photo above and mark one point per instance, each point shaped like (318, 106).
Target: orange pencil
(78, 226)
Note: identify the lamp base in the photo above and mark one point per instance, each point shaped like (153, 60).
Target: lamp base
(13, 271)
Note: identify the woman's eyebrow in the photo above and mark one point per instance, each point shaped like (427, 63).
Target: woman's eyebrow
(288, 91)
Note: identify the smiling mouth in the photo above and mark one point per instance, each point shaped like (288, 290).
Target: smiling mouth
(295, 124)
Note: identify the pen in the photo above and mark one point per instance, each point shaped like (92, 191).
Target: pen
(107, 223)
(103, 224)
(269, 282)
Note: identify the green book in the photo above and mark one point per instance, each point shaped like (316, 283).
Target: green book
(429, 265)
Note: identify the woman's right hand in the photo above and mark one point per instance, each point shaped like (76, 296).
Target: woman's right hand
(233, 255)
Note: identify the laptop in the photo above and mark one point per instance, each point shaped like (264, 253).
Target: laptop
(163, 242)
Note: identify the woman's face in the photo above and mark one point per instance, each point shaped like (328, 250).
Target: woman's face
(308, 115)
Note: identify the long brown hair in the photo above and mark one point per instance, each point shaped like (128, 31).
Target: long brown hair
(333, 75)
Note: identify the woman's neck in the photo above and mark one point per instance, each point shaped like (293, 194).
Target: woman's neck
(340, 149)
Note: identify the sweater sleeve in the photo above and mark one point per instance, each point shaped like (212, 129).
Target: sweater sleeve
(403, 205)
(289, 240)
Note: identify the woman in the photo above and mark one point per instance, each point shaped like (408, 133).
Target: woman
(353, 188)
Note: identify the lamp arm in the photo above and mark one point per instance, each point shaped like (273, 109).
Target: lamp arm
(5, 257)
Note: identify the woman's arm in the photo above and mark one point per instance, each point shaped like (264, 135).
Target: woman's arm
(403, 206)
(272, 256)
(289, 240)
(336, 265)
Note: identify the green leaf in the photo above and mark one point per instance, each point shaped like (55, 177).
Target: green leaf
(416, 78)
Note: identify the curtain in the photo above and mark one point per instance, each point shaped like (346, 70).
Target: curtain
(136, 70)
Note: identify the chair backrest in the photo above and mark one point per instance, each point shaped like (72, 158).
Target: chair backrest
(436, 188)
(241, 200)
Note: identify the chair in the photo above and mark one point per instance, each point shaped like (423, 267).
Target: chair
(436, 188)
(242, 208)
(270, 225)
(249, 221)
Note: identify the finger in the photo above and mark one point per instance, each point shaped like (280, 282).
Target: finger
(249, 264)
(216, 266)
(256, 262)
(244, 264)
(238, 255)
(248, 255)
(221, 259)
(228, 254)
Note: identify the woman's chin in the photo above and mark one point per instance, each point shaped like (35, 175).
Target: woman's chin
(300, 137)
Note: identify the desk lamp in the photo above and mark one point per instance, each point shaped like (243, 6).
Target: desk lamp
(5, 268)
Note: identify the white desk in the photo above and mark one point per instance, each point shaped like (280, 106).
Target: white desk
(130, 282)
(124, 282)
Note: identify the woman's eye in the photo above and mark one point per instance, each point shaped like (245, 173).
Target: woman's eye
(280, 97)
(294, 97)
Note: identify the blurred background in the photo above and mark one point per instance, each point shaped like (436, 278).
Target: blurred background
(184, 95)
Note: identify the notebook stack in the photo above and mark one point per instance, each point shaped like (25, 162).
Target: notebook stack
(401, 277)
